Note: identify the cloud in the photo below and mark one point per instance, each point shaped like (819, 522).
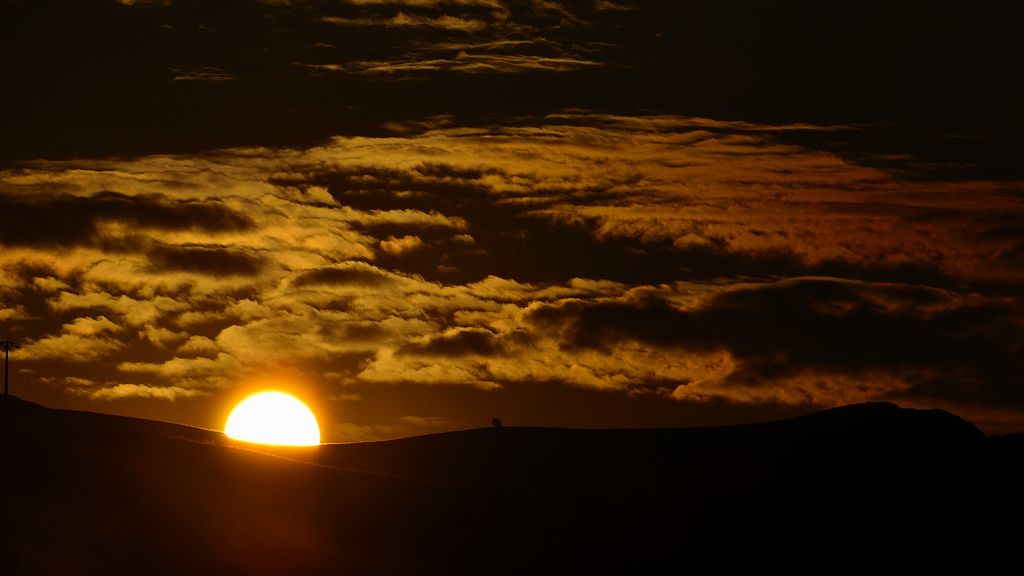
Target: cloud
(549, 8)
(353, 273)
(469, 38)
(386, 368)
(705, 187)
(819, 341)
(399, 246)
(106, 218)
(672, 123)
(463, 62)
(83, 340)
(162, 337)
(420, 126)
(605, 5)
(413, 20)
(49, 284)
(212, 260)
(689, 258)
(136, 312)
(12, 314)
(454, 342)
(431, 3)
(424, 421)
(115, 391)
(180, 368)
(206, 74)
(199, 345)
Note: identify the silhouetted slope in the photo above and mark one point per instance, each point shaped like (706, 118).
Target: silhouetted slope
(550, 459)
(862, 487)
(85, 494)
(866, 481)
(30, 416)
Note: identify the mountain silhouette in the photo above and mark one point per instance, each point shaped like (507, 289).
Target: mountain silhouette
(863, 487)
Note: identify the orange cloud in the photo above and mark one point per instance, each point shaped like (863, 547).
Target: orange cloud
(644, 255)
(403, 245)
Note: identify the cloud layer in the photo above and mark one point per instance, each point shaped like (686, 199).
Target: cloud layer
(691, 259)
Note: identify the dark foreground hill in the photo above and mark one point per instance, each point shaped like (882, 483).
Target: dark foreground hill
(865, 487)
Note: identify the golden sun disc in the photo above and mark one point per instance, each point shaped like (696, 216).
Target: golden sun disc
(273, 418)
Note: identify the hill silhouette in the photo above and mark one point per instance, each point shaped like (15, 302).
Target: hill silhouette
(869, 486)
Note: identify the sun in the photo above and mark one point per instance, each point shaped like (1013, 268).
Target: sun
(273, 418)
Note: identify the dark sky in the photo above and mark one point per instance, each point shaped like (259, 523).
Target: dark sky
(418, 215)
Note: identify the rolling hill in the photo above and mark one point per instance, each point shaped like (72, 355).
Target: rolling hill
(869, 486)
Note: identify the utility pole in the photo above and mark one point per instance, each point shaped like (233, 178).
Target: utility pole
(7, 345)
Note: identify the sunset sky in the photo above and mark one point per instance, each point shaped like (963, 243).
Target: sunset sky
(418, 215)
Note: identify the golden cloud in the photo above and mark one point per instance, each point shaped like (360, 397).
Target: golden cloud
(238, 259)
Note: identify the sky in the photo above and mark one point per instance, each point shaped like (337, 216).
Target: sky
(418, 215)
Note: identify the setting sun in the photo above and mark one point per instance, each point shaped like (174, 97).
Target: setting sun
(273, 418)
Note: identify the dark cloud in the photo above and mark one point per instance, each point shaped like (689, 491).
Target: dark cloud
(941, 346)
(455, 343)
(447, 171)
(110, 88)
(206, 74)
(75, 221)
(352, 331)
(343, 276)
(209, 260)
(438, 182)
